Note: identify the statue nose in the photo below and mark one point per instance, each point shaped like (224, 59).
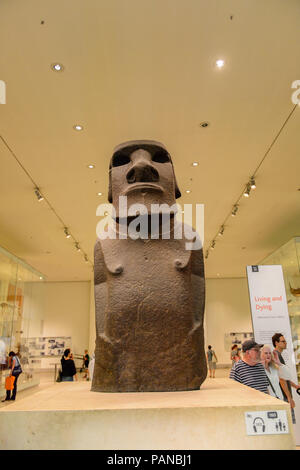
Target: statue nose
(142, 172)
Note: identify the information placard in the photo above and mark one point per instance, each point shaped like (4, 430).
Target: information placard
(266, 422)
(269, 308)
(270, 315)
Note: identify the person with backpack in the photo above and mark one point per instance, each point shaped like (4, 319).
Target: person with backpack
(16, 370)
(211, 361)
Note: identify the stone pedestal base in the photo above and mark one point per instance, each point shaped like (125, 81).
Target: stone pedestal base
(69, 416)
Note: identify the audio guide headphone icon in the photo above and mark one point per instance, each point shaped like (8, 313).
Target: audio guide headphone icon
(259, 422)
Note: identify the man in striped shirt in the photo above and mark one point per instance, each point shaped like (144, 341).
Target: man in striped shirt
(249, 370)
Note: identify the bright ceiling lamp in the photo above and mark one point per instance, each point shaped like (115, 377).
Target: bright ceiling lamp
(56, 67)
(247, 190)
(252, 182)
(220, 63)
(67, 232)
(78, 127)
(234, 210)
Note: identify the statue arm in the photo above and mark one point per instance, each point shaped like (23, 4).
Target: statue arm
(100, 287)
(198, 283)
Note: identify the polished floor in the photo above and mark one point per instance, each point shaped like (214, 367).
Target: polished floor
(47, 379)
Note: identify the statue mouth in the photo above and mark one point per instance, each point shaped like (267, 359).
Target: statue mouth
(143, 187)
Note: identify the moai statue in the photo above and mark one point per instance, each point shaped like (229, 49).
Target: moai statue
(149, 290)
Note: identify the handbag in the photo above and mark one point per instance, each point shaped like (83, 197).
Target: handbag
(9, 382)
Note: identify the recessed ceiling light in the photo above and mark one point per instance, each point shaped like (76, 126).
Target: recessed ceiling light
(188, 191)
(91, 166)
(220, 63)
(78, 127)
(204, 124)
(195, 164)
(99, 194)
(57, 67)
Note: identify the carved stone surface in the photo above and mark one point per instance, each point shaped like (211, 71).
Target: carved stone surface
(149, 293)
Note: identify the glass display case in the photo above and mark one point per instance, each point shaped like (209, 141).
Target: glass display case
(288, 256)
(20, 310)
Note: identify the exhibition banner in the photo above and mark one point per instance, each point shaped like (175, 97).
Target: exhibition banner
(270, 315)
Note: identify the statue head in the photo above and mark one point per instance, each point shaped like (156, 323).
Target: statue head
(143, 171)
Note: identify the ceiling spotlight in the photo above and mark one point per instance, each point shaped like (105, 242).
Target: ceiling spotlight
(41, 278)
(38, 194)
(247, 190)
(195, 164)
(221, 230)
(206, 254)
(188, 191)
(99, 194)
(234, 210)
(220, 63)
(252, 183)
(213, 244)
(67, 232)
(91, 166)
(77, 246)
(78, 127)
(57, 67)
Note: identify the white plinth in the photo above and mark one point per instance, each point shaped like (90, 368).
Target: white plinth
(69, 416)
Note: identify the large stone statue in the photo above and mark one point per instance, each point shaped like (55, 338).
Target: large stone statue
(149, 292)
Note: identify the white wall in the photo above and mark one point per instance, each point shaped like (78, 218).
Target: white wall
(66, 312)
(227, 310)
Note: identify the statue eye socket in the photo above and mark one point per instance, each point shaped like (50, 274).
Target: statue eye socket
(120, 159)
(160, 157)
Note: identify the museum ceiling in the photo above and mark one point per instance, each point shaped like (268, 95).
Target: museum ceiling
(142, 69)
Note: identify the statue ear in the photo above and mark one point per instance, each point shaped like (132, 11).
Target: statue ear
(109, 187)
